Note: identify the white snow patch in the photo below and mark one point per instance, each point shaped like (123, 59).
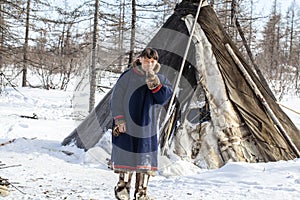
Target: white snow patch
(43, 169)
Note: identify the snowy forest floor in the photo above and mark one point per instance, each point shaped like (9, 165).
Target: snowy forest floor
(33, 160)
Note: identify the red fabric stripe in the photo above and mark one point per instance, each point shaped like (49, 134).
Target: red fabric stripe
(135, 168)
(157, 89)
(119, 117)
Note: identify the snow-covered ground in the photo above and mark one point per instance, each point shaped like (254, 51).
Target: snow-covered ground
(43, 169)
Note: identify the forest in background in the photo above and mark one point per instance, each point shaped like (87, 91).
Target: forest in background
(66, 39)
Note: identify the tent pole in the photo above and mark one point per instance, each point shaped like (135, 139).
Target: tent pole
(180, 73)
(295, 111)
(263, 100)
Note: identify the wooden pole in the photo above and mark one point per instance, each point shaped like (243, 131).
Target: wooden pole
(170, 108)
(263, 100)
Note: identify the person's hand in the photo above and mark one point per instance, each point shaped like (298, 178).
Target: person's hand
(120, 127)
(152, 80)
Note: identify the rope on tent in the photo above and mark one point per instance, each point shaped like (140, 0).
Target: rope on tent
(263, 100)
(171, 106)
(297, 112)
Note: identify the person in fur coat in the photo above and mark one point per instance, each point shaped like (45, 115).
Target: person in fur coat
(135, 100)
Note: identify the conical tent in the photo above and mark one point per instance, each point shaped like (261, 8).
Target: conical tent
(222, 113)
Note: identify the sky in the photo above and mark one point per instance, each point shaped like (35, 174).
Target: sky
(266, 6)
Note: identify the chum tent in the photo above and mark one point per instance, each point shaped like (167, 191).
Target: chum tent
(222, 111)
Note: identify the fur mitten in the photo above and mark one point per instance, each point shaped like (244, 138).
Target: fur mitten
(116, 132)
(152, 80)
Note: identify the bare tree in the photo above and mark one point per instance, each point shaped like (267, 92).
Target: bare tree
(11, 15)
(125, 28)
(293, 35)
(121, 32)
(1, 34)
(93, 66)
(270, 44)
(24, 79)
(133, 29)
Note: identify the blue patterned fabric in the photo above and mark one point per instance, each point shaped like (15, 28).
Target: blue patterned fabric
(136, 150)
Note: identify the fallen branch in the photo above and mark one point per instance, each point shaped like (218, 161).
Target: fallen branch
(17, 189)
(4, 183)
(34, 116)
(102, 86)
(8, 142)
(10, 166)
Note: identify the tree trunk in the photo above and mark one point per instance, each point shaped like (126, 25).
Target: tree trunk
(291, 37)
(121, 32)
(1, 35)
(93, 66)
(24, 80)
(132, 39)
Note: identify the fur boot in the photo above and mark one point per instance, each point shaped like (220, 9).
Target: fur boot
(122, 190)
(141, 185)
